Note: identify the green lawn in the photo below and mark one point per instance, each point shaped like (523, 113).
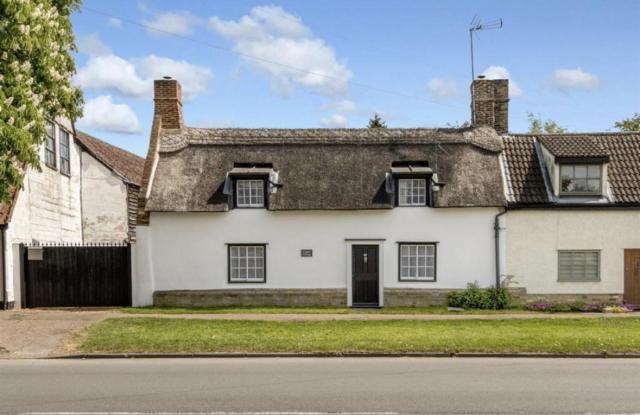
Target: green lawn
(313, 310)
(140, 334)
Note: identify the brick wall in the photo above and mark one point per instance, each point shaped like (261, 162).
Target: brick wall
(168, 102)
(491, 103)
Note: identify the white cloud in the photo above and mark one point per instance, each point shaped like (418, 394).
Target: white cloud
(114, 22)
(500, 72)
(92, 45)
(343, 105)
(334, 121)
(112, 73)
(442, 88)
(179, 23)
(102, 114)
(566, 79)
(194, 79)
(278, 44)
(135, 78)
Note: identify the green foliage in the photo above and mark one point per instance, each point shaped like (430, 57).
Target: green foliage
(35, 80)
(629, 124)
(538, 126)
(473, 297)
(376, 122)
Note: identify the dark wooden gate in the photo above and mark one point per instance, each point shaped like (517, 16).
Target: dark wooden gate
(77, 276)
(365, 275)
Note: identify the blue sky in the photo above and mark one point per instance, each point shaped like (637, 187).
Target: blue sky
(331, 63)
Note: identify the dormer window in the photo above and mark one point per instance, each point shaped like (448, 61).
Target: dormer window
(249, 184)
(580, 179)
(410, 183)
(250, 193)
(412, 192)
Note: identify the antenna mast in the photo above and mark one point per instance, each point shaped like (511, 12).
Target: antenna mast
(476, 26)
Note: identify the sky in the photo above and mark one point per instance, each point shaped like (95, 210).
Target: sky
(334, 63)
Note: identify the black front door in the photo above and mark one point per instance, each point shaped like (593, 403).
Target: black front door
(365, 275)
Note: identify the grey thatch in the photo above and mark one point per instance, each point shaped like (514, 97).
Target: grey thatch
(324, 168)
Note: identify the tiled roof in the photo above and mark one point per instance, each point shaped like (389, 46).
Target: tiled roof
(523, 172)
(574, 145)
(123, 162)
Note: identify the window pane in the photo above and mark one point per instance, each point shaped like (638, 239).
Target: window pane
(247, 263)
(578, 266)
(566, 172)
(580, 172)
(417, 262)
(593, 172)
(412, 192)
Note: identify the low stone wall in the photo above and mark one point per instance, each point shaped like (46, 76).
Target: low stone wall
(520, 296)
(251, 298)
(415, 297)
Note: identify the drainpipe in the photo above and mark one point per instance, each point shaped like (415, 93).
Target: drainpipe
(496, 229)
(3, 243)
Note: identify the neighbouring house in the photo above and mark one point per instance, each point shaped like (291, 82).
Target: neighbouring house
(573, 226)
(373, 217)
(85, 192)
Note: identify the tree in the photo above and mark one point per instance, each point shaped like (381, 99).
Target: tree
(629, 124)
(376, 122)
(537, 126)
(36, 67)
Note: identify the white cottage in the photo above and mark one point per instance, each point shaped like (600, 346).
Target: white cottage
(362, 217)
(85, 192)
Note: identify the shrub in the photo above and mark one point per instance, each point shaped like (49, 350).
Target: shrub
(473, 297)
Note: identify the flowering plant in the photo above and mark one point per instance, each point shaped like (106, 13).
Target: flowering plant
(36, 68)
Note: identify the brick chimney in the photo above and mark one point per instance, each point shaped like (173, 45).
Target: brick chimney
(168, 102)
(490, 103)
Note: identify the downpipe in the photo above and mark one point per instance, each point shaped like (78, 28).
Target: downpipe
(3, 243)
(496, 230)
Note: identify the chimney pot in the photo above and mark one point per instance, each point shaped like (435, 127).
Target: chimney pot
(168, 102)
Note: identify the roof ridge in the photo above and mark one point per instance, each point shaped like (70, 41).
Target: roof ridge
(109, 144)
(577, 134)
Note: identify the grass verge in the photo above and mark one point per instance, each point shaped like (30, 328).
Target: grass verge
(312, 310)
(595, 335)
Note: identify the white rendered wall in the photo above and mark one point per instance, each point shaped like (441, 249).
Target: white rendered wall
(187, 250)
(48, 208)
(535, 236)
(104, 203)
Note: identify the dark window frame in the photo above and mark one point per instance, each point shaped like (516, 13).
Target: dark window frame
(574, 165)
(580, 280)
(67, 171)
(427, 198)
(435, 260)
(50, 155)
(265, 186)
(231, 245)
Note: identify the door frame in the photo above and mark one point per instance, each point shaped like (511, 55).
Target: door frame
(349, 243)
(624, 268)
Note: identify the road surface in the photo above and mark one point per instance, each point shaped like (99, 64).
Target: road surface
(402, 385)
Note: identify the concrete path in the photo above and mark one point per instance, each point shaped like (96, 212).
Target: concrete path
(336, 385)
(42, 333)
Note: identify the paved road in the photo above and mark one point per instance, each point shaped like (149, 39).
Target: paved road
(405, 385)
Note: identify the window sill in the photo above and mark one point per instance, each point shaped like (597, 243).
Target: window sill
(51, 167)
(401, 280)
(580, 281)
(247, 282)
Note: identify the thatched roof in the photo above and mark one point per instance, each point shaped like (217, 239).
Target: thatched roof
(324, 168)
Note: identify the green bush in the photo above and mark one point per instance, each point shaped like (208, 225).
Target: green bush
(473, 297)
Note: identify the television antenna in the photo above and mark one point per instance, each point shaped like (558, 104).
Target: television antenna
(475, 26)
